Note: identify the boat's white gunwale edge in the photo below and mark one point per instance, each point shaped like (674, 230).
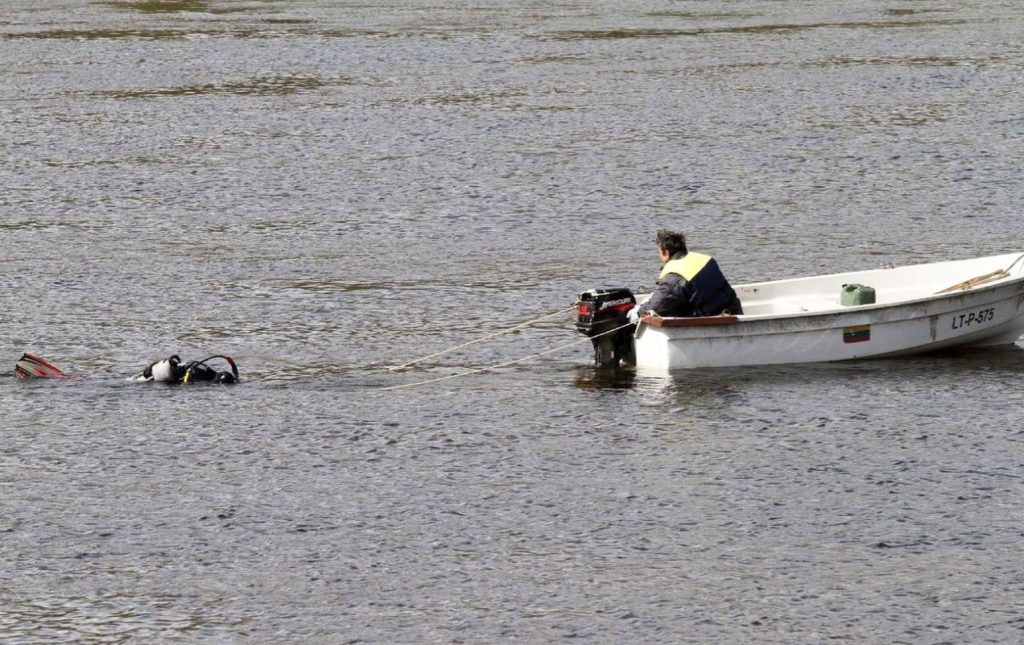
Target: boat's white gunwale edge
(840, 309)
(839, 274)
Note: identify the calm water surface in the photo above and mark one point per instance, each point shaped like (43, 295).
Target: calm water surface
(325, 189)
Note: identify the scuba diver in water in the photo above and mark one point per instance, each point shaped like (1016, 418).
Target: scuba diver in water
(168, 370)
(172, 370)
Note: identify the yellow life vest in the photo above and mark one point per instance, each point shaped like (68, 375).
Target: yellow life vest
(687, 266)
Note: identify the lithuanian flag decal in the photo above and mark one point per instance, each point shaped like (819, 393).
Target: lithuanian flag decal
(857, 334)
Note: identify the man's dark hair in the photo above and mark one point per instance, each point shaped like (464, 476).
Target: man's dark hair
(671, 241)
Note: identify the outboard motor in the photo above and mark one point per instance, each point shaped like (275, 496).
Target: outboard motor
(600, 311)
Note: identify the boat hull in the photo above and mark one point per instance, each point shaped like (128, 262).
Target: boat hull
(991, 315)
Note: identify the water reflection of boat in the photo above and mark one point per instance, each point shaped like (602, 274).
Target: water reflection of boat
(650, 385)
(590, 377)
(915, 309)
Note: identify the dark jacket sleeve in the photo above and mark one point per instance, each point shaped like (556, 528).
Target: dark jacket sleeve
(669, 298)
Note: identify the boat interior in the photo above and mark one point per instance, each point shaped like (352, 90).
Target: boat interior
(823, 293)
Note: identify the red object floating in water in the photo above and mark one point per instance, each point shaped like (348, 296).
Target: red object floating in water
(32, 366)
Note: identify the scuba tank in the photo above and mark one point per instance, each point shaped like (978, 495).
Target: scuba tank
(172, 370)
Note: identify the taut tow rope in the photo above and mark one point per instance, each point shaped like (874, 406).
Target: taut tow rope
(506, 364)
(522, 325)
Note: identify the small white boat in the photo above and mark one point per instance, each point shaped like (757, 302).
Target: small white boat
(916, 309)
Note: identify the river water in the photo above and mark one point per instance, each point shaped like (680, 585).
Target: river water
(325, 189)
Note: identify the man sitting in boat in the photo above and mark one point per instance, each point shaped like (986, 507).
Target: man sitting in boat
(690, 284)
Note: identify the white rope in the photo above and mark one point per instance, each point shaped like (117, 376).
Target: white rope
(480, 340)
(499, 365)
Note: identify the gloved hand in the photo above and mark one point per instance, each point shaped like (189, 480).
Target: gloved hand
(634, 314)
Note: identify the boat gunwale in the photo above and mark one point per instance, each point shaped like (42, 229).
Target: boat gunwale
(1013, 254)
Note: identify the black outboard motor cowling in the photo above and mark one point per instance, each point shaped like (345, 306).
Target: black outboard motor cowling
(600, 311)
